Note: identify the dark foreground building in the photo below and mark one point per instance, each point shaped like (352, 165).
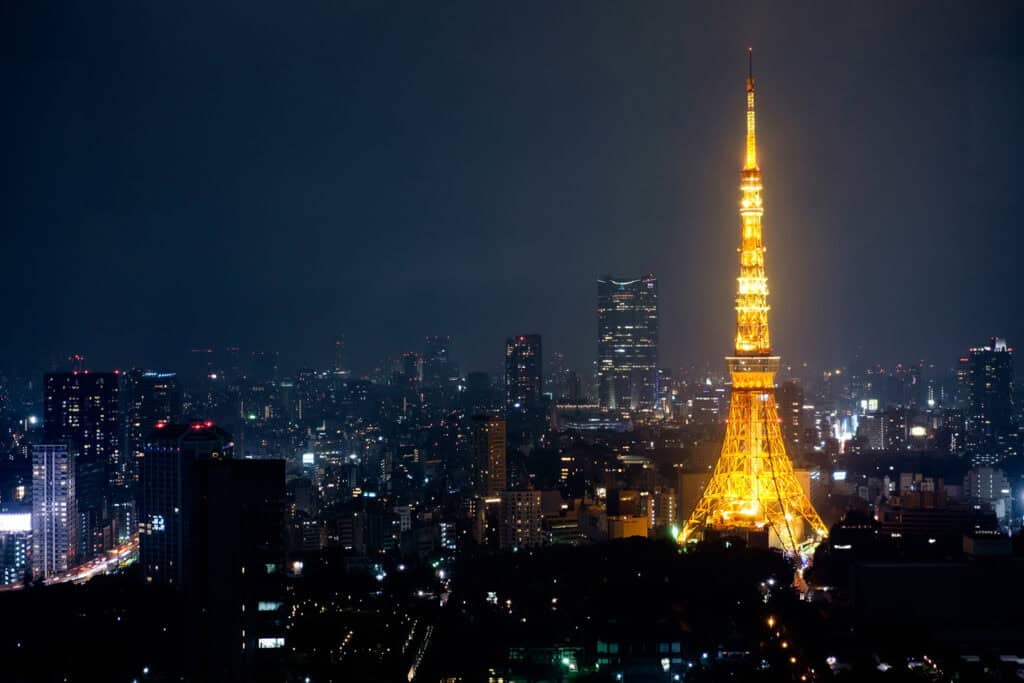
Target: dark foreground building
(213, 529)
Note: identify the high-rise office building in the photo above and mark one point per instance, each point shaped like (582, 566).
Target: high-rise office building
(236, 528)
(488, 443)
(83, 410)
(167, 487)
(437, 363)
(627, 342)
(150, 397)
(987, 377)
(213, 528)
(524, 384)
(93, 524)
(53, 510)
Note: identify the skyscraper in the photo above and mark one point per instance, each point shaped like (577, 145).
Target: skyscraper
(627, 342)
(150, 397)
(213, 528)
(488, 469)
(167, 484)
(53, 510)
(83, 409)
(524, 383)
(437, 364)
(236, 529)
(754, 489)
(987, 377)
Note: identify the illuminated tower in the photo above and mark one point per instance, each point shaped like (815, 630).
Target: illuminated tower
(753, 487)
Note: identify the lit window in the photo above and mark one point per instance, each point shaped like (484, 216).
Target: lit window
(269, 643)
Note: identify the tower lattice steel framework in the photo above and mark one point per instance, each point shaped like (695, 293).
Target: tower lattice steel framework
(754, 487)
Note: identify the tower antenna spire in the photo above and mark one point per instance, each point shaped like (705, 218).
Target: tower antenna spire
(751, 125)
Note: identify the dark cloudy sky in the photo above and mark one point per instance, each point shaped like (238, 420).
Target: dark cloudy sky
(270, 174)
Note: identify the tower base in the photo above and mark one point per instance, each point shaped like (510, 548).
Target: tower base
(753, 538)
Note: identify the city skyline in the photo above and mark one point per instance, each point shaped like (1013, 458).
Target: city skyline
(465, 342)
(620, 158)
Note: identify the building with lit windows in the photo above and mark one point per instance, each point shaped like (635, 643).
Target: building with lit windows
(524, 384)
(213, 528)
(237, 577)
(627, 342)
(83, 409)
(149, 397)
(790, 399)
(15, 545)
(990, 488)
(53, 510)
(167, 489)
(708, 403)
(986, 376)
(488, 443)
(526, 406)
(522, 519)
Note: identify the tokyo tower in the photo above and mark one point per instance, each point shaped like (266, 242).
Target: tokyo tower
(754, 488)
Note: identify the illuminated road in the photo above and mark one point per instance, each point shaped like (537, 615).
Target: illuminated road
(107, 563)
(420, 652)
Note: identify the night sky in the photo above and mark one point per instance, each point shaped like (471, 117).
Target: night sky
(267, 175)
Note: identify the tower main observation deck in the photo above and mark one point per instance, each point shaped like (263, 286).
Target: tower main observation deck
(753, 487)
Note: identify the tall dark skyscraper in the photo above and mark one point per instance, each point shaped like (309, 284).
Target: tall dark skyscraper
(524, 383)
(437, 364)
(213, 528)
(987, 377)
(82, 409)
(149, 398)
(167, 483)
(627, 342)
(236, 529)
